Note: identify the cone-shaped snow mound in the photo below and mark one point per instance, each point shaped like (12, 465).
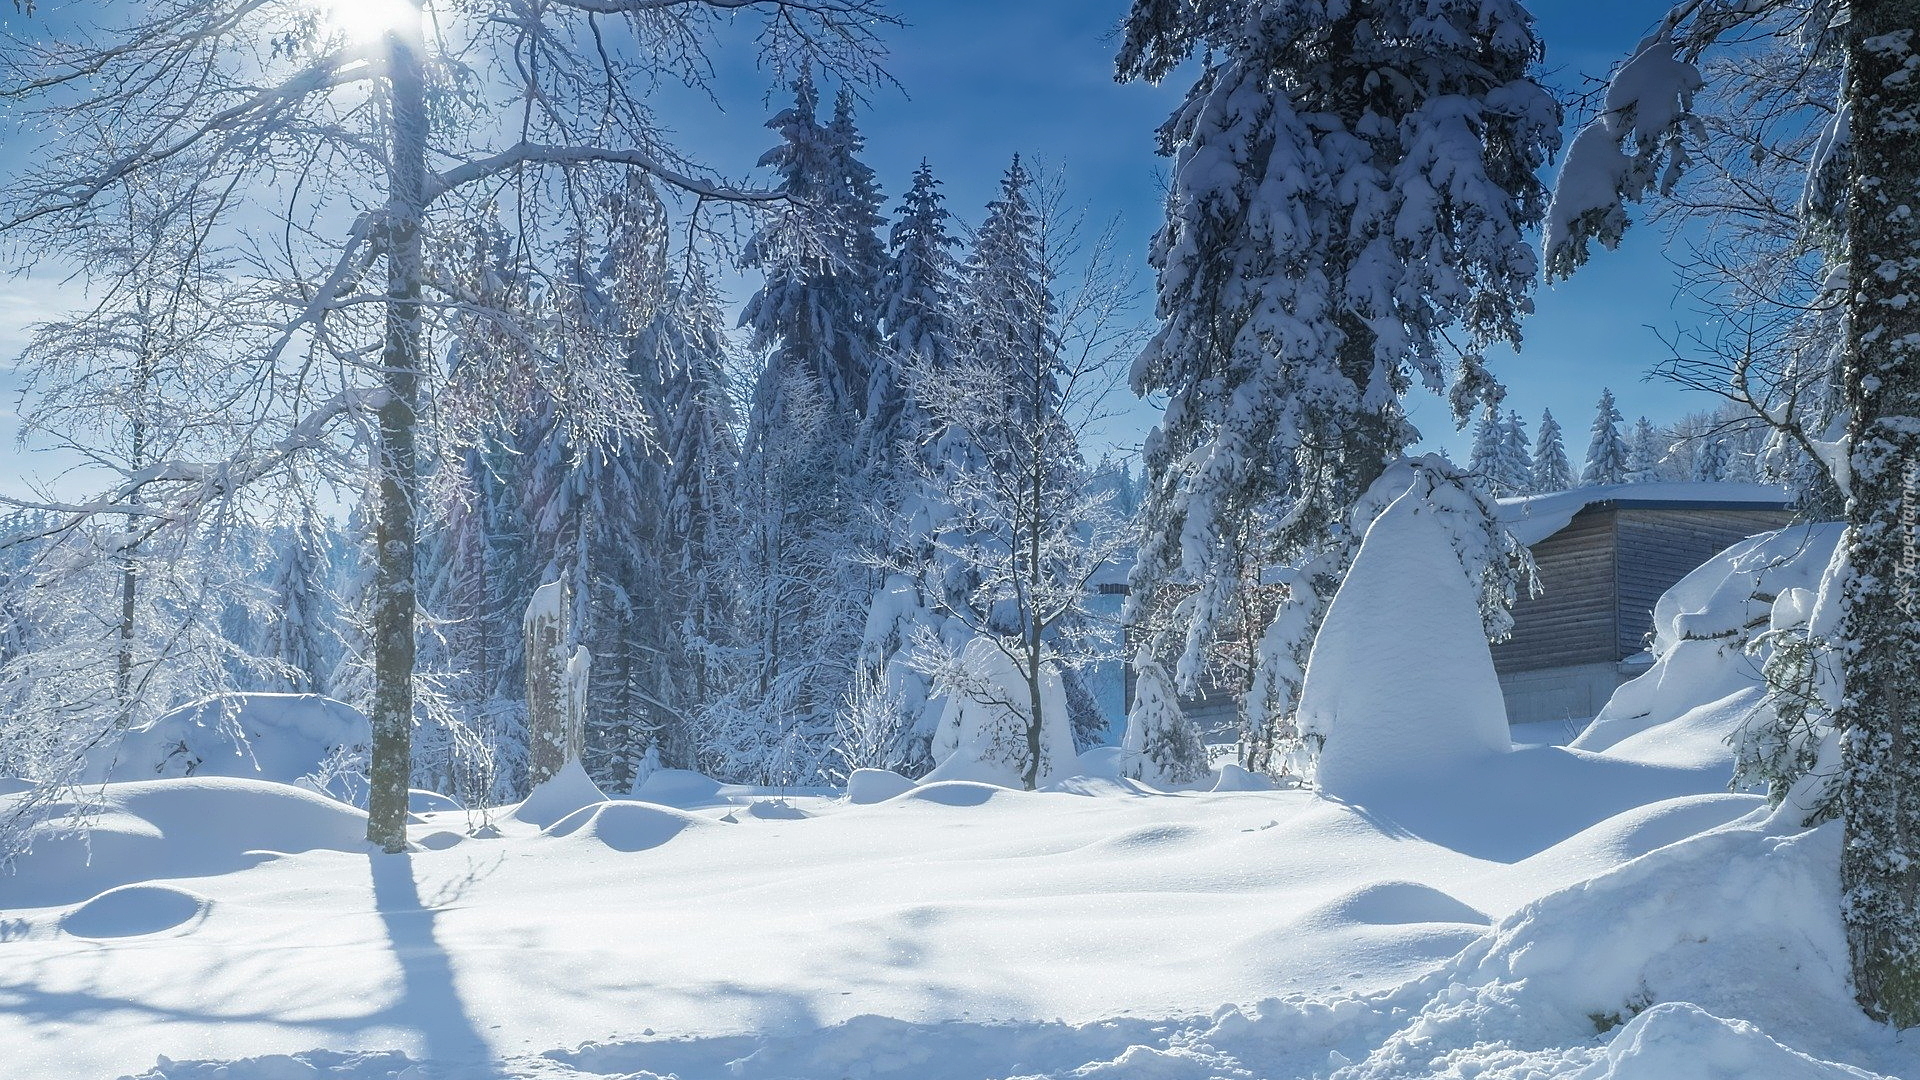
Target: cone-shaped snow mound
(1401, 680)
(563, 793)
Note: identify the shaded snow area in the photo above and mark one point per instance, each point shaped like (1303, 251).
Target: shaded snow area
(1596, 912)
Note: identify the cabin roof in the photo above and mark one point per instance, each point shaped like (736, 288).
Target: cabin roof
(1533, 518)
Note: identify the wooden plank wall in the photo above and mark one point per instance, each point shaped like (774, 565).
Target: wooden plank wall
(1658, 547)
(1573, 620)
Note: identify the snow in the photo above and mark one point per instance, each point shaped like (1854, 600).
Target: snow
(1604, 911)
(1401, 681)
(875, 785)
(982, 733)
(283, 737)
(565, 792)
(1533, 518)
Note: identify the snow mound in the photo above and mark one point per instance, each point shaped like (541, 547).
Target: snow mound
(626, 826)
(1395, 903)
(152, 829)
(683, 788)
(1234, 778)
(1701, 628)
(566, 791)
(283, 737)
(133, 910)
(1633, 833)
(421, 801)
(867, 786)
(1400, 681)
(14, 785)
(1107, 762)
(954, 793)
(1676, 1039)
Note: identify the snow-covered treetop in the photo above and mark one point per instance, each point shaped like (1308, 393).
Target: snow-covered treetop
(1606, 448)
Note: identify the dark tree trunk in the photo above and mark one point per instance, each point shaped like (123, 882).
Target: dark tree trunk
(1880, 717)
(397, 461)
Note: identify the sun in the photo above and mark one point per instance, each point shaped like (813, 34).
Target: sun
(367, 20)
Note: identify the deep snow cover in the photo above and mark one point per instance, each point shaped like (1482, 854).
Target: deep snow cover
(1598, 913)
(1400, 682)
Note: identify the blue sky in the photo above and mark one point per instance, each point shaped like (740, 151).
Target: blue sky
(980, 80)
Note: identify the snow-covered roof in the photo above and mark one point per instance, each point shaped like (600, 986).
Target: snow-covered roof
(1533, 518)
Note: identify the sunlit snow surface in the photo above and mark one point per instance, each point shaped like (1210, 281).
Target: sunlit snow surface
(1605, 914)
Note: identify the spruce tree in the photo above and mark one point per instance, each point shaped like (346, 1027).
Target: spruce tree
(1513, 468)
(908, 452)
(1350, 182)
(808, 486)
(1644, 453)
(1487, 434)
(1551, 470)
(1710, 460)
(1606, 450)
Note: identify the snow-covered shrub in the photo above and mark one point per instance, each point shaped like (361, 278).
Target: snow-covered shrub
(986, 729)
(1161, 745)
(874, 727)
(287, 738)
(1401, 679)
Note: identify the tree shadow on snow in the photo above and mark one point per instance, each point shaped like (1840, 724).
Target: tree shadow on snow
(428, 1002)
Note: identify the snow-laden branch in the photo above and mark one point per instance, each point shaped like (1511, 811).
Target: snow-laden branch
(537, 154)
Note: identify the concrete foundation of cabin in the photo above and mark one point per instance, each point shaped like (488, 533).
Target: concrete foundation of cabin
(1575, 692)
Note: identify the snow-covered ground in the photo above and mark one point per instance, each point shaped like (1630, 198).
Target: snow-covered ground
(1600, 914)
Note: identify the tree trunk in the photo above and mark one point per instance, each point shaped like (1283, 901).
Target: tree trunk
(397, 463)
(1880, 716)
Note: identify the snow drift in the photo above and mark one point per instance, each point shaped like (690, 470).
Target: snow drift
(288, 738)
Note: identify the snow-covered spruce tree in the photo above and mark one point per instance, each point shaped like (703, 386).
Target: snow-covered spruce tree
(699, 438)
(1026, 531)
(1160, 745)
(1860, 185)
(296, 640)
(1645, 452)
(1513, 464)
(815, 314)
(391, 135)
(1487, 433)
(1606, 448)
(905, 447)
(1350, 181)
(1551, 470)
(816, 317)
(1710, 461)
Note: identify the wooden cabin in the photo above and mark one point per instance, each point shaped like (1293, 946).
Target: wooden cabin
(1605, 555)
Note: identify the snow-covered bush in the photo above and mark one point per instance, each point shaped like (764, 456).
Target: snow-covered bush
(986, 732)
(1161, 745)
(1401, 678)
(874, 727)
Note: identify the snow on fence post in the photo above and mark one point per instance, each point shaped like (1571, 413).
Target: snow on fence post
(556, 685)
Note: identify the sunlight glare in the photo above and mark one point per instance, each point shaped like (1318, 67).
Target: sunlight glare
(367, 20)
